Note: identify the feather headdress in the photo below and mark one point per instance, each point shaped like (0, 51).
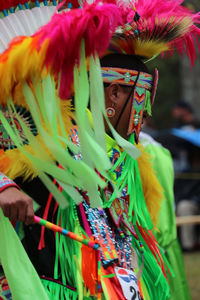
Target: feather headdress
(152, 27)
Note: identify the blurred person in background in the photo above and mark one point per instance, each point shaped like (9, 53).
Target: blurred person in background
(186, 158)
(183, 116)
(187, 195)
(183, 119)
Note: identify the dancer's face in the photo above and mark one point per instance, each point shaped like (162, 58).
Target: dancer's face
(116, 97)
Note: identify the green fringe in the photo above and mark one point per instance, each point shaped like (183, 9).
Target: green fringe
(147, 104)
(65, 267)
(155, 282)
(130, 176)
(57, 291)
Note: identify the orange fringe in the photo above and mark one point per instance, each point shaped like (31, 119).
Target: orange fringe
(89, 267)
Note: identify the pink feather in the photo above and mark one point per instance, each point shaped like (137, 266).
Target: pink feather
(94, 23)
(154, 12)
(164, 10)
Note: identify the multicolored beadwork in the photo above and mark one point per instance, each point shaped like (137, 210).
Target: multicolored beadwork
(143, 82)
(6, 182)
(136, 114)
(114, 156)
(119, 212)
(5, 293)
(127, 77)
(102, 232)
(123, 250)
(76, 141)
(13, 119)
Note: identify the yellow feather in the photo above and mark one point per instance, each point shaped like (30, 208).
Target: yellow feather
(146, 48)
(19, 165)
(152, 189)
(20, 63)
(14, 163)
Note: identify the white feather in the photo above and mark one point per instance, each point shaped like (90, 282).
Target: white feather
(23, 22)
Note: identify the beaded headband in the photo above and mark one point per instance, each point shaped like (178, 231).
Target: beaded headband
(127, 77)
(143, 94)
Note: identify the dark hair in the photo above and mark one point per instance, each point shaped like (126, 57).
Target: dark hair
(130, 62)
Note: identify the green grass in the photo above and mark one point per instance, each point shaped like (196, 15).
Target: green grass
(192, 269)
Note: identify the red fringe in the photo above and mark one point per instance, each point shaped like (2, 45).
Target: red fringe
(153, 246)
(45, 216)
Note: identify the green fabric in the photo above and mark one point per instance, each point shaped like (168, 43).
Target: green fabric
(57, 291)
(20, 273)
(162, 164)
(97, 105)
(167, 235)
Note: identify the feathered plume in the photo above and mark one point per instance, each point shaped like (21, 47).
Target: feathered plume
(62, 38)
(155, 26)
(94, 23)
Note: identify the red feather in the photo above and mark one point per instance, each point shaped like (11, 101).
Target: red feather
(162, 20)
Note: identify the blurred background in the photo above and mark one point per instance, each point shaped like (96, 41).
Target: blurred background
(175, 123)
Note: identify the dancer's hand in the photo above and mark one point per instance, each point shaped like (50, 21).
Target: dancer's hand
(16, 205)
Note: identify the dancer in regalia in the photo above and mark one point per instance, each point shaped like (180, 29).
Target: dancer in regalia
(100, 187)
